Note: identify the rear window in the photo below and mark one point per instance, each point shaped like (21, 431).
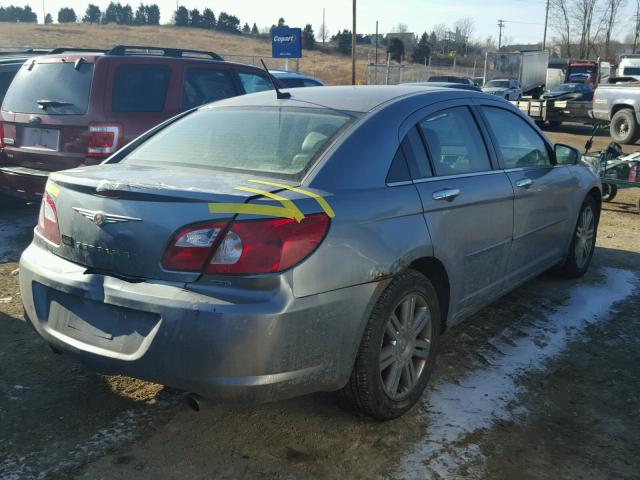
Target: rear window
(277, 142)
(5, 81)
(61, 89)
(140, 88)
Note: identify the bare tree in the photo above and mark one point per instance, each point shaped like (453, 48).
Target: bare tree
(588, 22)
(400, 28)
(440, 31)
(561, 22)
(611, 16)
(465, 26)
(323, 33)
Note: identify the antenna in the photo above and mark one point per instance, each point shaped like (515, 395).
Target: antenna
(279, 94)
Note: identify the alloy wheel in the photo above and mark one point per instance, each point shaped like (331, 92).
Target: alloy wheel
(585, 237)
(406, 344)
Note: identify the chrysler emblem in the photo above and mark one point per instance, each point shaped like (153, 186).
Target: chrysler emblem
(98, 218)
(101, 218)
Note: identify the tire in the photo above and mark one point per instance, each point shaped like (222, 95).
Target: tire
(609, 192)
(408, 355)
(582, 243)
(624, 128)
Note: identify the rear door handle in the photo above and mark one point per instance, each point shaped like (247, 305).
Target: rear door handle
(446, 194)
(524, 183)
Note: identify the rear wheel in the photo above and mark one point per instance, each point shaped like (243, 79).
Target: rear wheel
(624, 128)
(398, 348)
(583, 242)
(609, 192)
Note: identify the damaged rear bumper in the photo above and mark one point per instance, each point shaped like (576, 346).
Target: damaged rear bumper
(222, 345)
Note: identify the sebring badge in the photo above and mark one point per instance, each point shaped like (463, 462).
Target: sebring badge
(100, 218)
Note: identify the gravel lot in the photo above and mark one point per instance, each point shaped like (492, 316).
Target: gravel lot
(543, 384)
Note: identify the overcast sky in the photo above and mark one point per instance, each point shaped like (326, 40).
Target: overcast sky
(525, 18)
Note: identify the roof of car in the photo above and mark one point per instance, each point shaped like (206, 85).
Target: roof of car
(346, 98)
(284, 74)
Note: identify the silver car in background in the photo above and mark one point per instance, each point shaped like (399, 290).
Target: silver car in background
(261, 248)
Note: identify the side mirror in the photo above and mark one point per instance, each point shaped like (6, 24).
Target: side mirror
(566, 155)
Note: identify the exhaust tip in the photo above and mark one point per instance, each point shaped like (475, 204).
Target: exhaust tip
(193, 402)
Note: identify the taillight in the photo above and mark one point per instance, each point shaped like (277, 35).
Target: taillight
(248, 247)
(1, 136)
(633, 174)
(262, 246)
(191, 249)
(103, 140)
(48, 225)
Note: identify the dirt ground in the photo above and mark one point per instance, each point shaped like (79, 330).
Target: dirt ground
(544, 384)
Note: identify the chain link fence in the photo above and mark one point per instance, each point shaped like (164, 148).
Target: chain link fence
(393, 73)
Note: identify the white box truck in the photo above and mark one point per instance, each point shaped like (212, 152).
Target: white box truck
(529, 69)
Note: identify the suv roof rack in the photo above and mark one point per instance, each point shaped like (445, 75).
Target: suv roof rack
(73, 49)
(161, 51)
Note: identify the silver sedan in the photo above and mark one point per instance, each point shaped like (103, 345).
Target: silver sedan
(260, 248)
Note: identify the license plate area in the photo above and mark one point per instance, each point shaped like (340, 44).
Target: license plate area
(41, 138)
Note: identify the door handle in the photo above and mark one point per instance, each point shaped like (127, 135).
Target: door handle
(446, 194)
(524, 183)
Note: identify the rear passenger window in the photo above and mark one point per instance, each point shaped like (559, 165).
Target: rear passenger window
(204, 85)
(454, 142)
(140, 88)
(253, 83)
(517, 141)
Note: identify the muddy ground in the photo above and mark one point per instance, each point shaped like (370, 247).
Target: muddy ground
(543, 384)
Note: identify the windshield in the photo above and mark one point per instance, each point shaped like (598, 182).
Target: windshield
(498, 84)
(280, 142)
(50, 88)
(567, 87)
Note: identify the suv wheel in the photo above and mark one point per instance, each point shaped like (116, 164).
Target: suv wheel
(398, 349)
(583, 242)
(624, 128)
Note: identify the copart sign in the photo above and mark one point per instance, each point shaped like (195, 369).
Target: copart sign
(286, 43)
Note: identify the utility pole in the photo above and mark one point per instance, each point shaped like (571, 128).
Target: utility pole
(44, 15)
(376, 42)
(324, 29)
(353, 47)
(546, 21)
(500, 26)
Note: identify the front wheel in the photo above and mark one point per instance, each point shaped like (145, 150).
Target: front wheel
(609, 192)
(398, 348)
(583, 242)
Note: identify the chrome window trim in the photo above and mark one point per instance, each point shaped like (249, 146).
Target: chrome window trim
(460, 175)
(400, 184)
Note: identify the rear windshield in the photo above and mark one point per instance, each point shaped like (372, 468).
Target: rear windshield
(276, 142)
(51, 88)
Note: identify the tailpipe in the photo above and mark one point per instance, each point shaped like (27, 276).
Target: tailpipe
(195, 402)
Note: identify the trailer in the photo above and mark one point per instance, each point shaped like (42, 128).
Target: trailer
(529, 68)
(554, 112)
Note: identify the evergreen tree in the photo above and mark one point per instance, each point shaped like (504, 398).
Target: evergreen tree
(48, 19)
(308, 37)
(208, 19)
(152, 12)
(140, 18)
(181, 17)
(396, 49)
(126, 15)
(195, 19)
(92, 14)
(246, 28)
(254, 29)
(228, 23)
(66, 15)
(422, 51)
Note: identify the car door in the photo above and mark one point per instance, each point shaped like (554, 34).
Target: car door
(467, 201)
(543, 192)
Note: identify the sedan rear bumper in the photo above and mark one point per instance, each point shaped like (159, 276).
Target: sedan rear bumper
(221, 345)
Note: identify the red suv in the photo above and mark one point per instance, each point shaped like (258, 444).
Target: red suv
(76, 107)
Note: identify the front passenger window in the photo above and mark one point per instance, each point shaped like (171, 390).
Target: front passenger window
(518, 143)
(454, 142)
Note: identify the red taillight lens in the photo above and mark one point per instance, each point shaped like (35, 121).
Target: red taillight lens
(247, 247)
(191, 249)
(103, 140)
(48, 225)
(264, 246)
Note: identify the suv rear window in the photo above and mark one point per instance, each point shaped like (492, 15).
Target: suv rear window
(64, 86)
(140, 88)
(280, 142)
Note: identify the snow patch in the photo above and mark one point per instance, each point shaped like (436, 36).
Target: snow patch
(486, 395)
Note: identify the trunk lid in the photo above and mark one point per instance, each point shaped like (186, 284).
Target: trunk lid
(147, 205)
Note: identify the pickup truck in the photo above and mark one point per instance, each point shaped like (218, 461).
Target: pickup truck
(619, 104)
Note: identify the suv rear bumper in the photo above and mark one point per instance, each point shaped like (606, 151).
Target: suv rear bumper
(23, 183)
(257, 349)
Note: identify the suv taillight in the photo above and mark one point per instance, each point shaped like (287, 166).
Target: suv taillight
(48, 225)
(247, 247)
(103, 140)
